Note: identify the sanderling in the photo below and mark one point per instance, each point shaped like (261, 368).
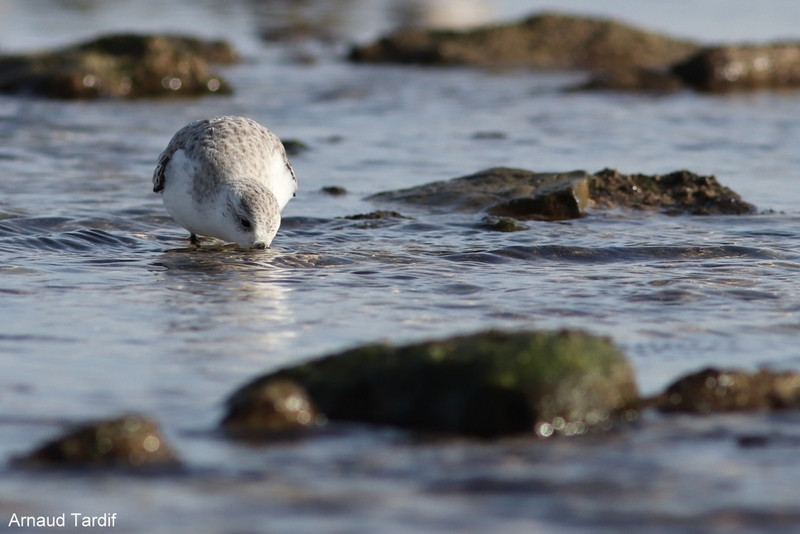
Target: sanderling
(226, 177)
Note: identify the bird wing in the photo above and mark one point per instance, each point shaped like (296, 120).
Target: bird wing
(282, 151)
(158, 174)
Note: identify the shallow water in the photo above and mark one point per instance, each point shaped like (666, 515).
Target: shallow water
(105, 308)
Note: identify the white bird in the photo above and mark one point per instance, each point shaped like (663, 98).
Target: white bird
(226, 177)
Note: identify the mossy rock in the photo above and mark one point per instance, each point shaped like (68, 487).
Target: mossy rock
(488, 384)
(715, 390)
(501, 224)
(280, 407)
(121, 66)
(130, 441)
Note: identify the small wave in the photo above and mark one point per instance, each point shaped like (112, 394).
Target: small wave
(624, 254)
(31, 225)
(77, 240)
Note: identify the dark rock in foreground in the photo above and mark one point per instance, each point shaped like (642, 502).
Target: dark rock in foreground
(131, 441)
(487, 384)
(716, 390)
(544, 41)
(737, 68)
(122, 66)
(522, 194)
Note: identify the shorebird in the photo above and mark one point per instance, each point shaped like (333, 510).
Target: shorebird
(226, 177)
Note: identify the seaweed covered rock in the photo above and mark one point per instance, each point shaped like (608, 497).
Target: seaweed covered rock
(503, 192)
(543, 41)
(275, 407)
(500, 224)
(737, 68)
(375, 215)
(488, 384)
(131, 441)
(716, 390)
(123, 66)
(674, 193)
(522, 194)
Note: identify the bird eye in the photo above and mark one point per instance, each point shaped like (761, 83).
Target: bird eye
(245, 223)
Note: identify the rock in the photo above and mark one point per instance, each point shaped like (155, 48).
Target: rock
(487, 384)
(525, 195)
(715, 390)
(674, 193)
(503, 192)
(274, 407)
(638, 79)
(122, 66)
(131, 441)
(543, 41)
(501, 224)
(492, 135)
(375, 215)
(334, 190)
(294, 147)
(736, 68)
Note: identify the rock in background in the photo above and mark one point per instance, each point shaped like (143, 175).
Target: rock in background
(122, 66)
(619, 56)
(544, 41)
(737, 68)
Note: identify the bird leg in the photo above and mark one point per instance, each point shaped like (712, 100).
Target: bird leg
(194, 241)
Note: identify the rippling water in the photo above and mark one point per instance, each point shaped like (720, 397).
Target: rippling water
(105, 308)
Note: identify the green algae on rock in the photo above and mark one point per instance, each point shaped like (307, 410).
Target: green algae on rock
(122, 66)
(375, 215)
(130, 441)
(487, 384)
(501, 224)
(543, 41)
(724, 390)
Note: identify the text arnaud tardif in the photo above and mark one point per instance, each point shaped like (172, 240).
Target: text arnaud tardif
(73, 519)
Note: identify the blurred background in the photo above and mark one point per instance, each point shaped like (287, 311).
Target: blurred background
(42, 23)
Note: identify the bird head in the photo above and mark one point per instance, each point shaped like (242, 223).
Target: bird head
(252, 215)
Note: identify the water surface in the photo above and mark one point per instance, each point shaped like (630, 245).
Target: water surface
(105, 307)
